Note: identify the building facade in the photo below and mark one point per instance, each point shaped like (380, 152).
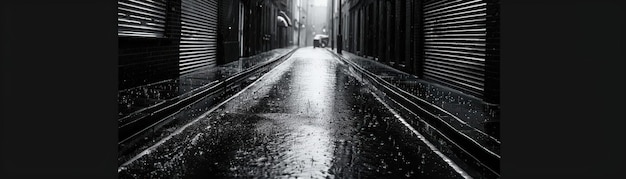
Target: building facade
(164, 39)
(453, 43)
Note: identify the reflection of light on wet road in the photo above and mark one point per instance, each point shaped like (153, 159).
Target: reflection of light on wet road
(311, 152)
(313, 82)
(312, 99)
(303, 119)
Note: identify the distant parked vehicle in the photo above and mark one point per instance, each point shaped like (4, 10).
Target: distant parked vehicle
(320, 40)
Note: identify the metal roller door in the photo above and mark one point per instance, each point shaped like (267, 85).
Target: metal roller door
(141, 18)
(455, 33)
(198, 45)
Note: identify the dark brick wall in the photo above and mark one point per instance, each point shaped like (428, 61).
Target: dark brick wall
(145, 60)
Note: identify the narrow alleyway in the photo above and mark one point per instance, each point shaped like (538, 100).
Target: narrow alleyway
(325, 89)
(307, 118)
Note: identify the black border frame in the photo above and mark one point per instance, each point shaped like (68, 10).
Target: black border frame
(562, 89)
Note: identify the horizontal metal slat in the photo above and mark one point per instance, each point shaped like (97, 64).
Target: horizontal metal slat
(140, 27)
(206, 4)
(459, 31)
(205, 29)
(198, 21)
(194, 60)
(198, 6)
(198, 30)
(193, 52)
(195, 47)
(476, 63)
(461, 48)
(204, 59)
(450, 6)
(455, 56)
(136, 34)
(464, 12)
(200, 11)
(470, 73)
(452, 12)
(198, 41)
(196, 66)
(198, 46)
(200, 60)
(434, 4)
(189, 58)
(149, 4)
(460, 78)
(455, 52)
(199, 36)
(473, 44)
(478, 68)
(456, 27)
(460, 82)
(441, 39)
(464, 22)
(141, 18)
(454, 43)
(190, 16)
(464, 71)
(128, 21)
(466, 17)
(477, 91)
(208, 50)
(142, 9)
(191, 44)
(472, 35)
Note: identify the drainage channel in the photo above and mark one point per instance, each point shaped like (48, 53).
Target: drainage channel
(479, 160)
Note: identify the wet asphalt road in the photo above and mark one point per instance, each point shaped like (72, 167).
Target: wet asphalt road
(307, 118)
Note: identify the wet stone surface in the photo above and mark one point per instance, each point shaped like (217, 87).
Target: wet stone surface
(137, 98)
(306, 118)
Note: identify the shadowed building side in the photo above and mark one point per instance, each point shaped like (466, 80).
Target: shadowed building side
(161, 40)
(452, 43)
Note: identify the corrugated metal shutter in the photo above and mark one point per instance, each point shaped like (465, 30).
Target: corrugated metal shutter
(455, 43)
(198, 46)
(141, 18)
